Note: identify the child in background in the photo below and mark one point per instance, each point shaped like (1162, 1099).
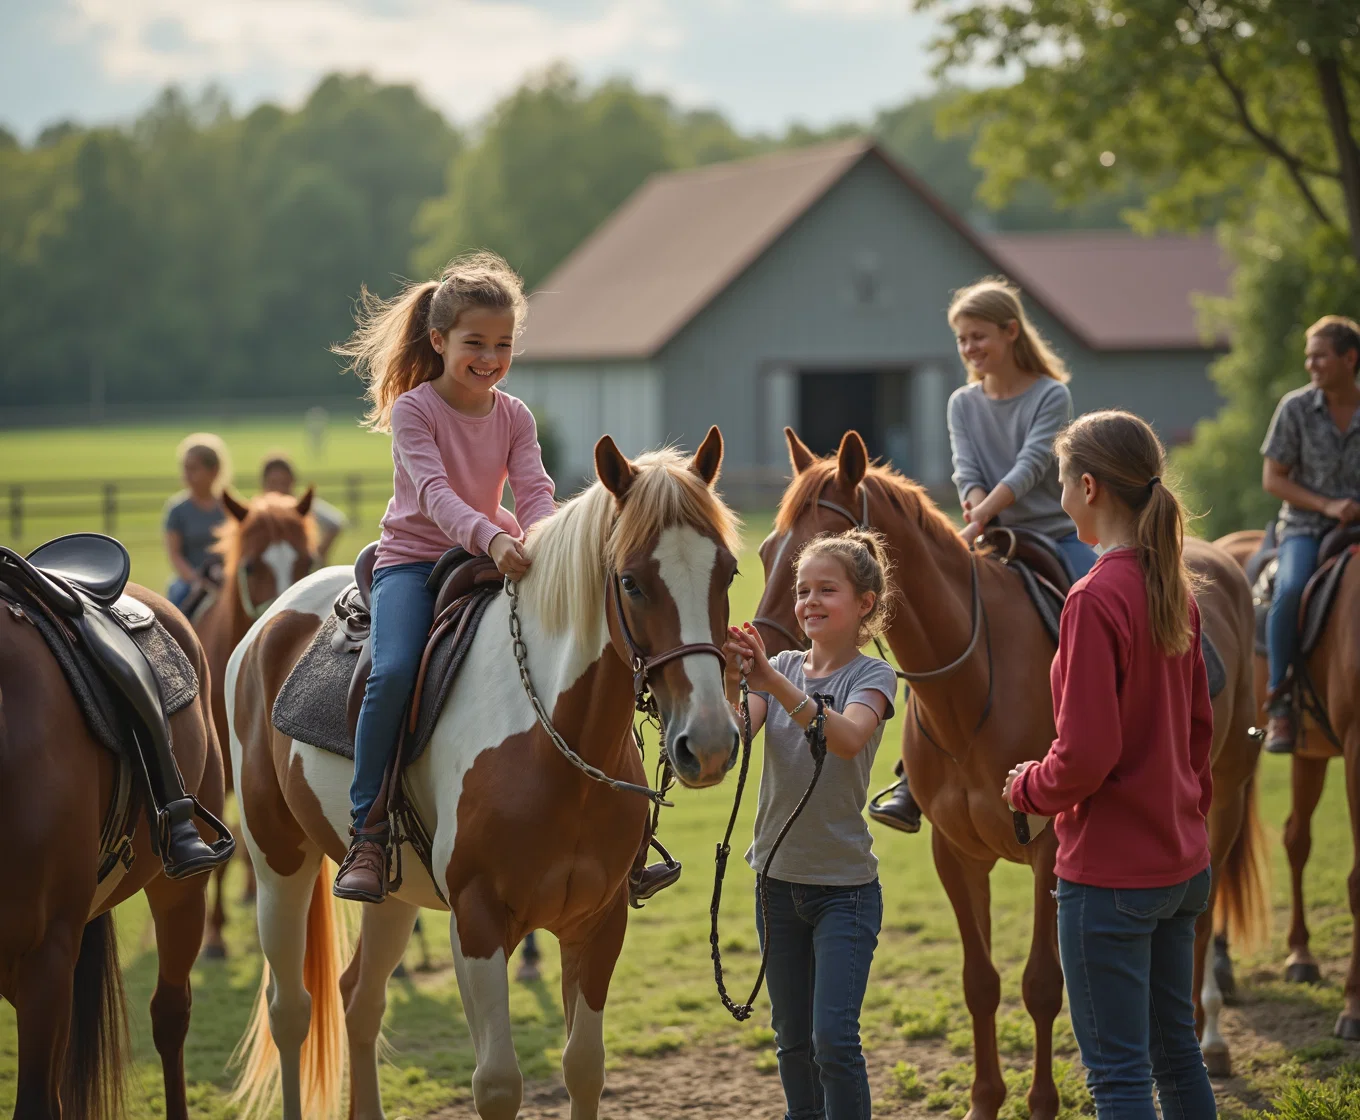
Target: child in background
(1128, 779)
(192, 515)
(823, 896)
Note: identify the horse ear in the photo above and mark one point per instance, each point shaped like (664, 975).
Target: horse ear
(800, 455)
(234, 507)
(613, 468)
(707, 461)
(305, 502)
(852, 461)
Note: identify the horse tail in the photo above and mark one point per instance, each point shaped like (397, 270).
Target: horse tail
(97, 1051)
(322, 1062)
(1243, 899)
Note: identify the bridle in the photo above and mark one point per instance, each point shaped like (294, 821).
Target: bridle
(978, 609)
(642, 665)
(252, 609)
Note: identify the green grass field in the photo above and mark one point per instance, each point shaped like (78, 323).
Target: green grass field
(663, 1008)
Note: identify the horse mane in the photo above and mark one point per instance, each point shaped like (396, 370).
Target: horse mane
(264, 507)
(574, 550)
(905, 496)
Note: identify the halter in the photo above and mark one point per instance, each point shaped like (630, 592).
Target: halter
(253, 609)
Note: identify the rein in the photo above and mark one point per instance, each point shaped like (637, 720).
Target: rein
(643, 700)
(253, 609)
(816, 737)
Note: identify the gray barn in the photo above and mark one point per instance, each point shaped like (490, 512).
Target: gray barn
(809, 288)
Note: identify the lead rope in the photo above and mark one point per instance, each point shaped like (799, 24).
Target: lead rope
(816, 738)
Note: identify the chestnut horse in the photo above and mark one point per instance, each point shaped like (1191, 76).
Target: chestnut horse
(521, 838)
(1334, 667)
(266, 546)
(985, 705)
(58, 953)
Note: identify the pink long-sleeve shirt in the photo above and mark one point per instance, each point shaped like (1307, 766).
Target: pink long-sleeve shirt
(450, 472)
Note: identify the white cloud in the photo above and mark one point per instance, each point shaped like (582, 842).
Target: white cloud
(463, 53)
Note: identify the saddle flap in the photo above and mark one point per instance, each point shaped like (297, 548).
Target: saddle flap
(459, 578)
(1319, 595)
(1337, 541)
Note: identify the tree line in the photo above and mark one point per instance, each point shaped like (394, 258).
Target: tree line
(198, 253)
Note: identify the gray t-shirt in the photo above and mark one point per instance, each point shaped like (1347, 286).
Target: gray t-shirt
(829, 845)
(1011, 441)
(195, 526)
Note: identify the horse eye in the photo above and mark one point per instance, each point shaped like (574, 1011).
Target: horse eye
(629, 584)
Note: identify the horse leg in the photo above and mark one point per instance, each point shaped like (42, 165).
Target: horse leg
(1309, 776)
(484, 984)
(44, 979)
(1227, 818)
(281, 918)
(1348, 1022)
(1042, 987)
(383, 935)
(177, 912)
(214, 945)
(967, 883)
(587, 966)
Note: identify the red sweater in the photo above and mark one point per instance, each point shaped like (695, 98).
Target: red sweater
(1128, 775)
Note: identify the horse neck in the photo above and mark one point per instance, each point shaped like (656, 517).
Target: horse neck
(933, 622)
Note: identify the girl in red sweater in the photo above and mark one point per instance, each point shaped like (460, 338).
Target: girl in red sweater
(1127, 778)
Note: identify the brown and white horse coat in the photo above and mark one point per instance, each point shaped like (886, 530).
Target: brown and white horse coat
(521, 839)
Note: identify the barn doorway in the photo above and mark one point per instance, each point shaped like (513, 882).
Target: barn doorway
(873, 402)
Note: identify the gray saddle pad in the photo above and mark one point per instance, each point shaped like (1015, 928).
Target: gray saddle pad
(175, 677)
(312, 704)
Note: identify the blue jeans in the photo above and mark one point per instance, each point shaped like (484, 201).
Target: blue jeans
(1128, 959)
(1078, 557)
(178, 591)
(822, 941)
(402, 613)
(1298, 558)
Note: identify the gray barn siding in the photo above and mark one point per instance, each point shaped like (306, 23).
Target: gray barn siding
(796, 306)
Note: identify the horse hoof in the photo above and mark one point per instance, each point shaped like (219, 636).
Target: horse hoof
(1347, 1028)
(1303, 972)
(214, 952)
(1218, 1062)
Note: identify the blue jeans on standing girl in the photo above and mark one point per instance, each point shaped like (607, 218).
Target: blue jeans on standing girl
(822, 941)
(402, 613)
(1128, 960)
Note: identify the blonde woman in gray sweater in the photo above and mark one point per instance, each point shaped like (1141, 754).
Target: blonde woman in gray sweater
(1002, 425)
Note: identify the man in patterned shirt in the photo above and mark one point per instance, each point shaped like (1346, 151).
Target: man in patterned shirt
(1312, 464)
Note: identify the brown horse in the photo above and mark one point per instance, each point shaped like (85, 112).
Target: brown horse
(266, 546)
(1334, 667)
(58, 953)
(521, 838)
(986, 706)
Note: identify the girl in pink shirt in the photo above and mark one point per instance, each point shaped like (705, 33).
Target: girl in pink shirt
(432, 358)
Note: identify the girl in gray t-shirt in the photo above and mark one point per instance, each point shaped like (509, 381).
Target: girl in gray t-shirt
(823, 901)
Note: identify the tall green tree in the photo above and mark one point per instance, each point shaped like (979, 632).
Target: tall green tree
(1194, 96)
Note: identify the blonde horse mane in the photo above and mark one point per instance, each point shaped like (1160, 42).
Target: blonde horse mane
(573, 551)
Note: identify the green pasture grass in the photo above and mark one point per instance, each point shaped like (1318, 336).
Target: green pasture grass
(662, 998)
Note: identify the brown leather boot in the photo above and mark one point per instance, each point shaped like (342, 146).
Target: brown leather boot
(363, 875)
(1280, 733)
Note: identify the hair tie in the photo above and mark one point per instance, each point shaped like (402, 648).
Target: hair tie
(1156, 478)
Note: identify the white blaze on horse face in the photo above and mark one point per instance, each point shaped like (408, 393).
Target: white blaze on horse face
(280, 557)
(685, 558)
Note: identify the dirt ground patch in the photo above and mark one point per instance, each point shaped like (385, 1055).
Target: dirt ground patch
(1275, 1030)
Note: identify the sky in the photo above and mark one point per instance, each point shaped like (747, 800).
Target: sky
(765, 63)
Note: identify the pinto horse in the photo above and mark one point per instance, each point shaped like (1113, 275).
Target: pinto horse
(1334, 667)
(266, 546)
(979, 704)
(521, 838)
(58, 952)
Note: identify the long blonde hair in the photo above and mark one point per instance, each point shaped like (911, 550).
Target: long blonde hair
(1122, 453)
(390, 350)
(996, 300)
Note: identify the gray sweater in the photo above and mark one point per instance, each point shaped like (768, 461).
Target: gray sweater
(1011, 441)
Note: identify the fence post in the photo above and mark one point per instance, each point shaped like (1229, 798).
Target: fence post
(16, 512)
(353, 484)
(110, 507)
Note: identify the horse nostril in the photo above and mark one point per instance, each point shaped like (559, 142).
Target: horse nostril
(736, 751)
(682, 756)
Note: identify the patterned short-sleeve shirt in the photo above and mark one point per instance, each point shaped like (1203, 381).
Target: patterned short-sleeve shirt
(1304, 438)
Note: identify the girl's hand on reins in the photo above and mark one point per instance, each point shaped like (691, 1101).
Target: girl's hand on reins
(755, 664)
(1012, 778)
